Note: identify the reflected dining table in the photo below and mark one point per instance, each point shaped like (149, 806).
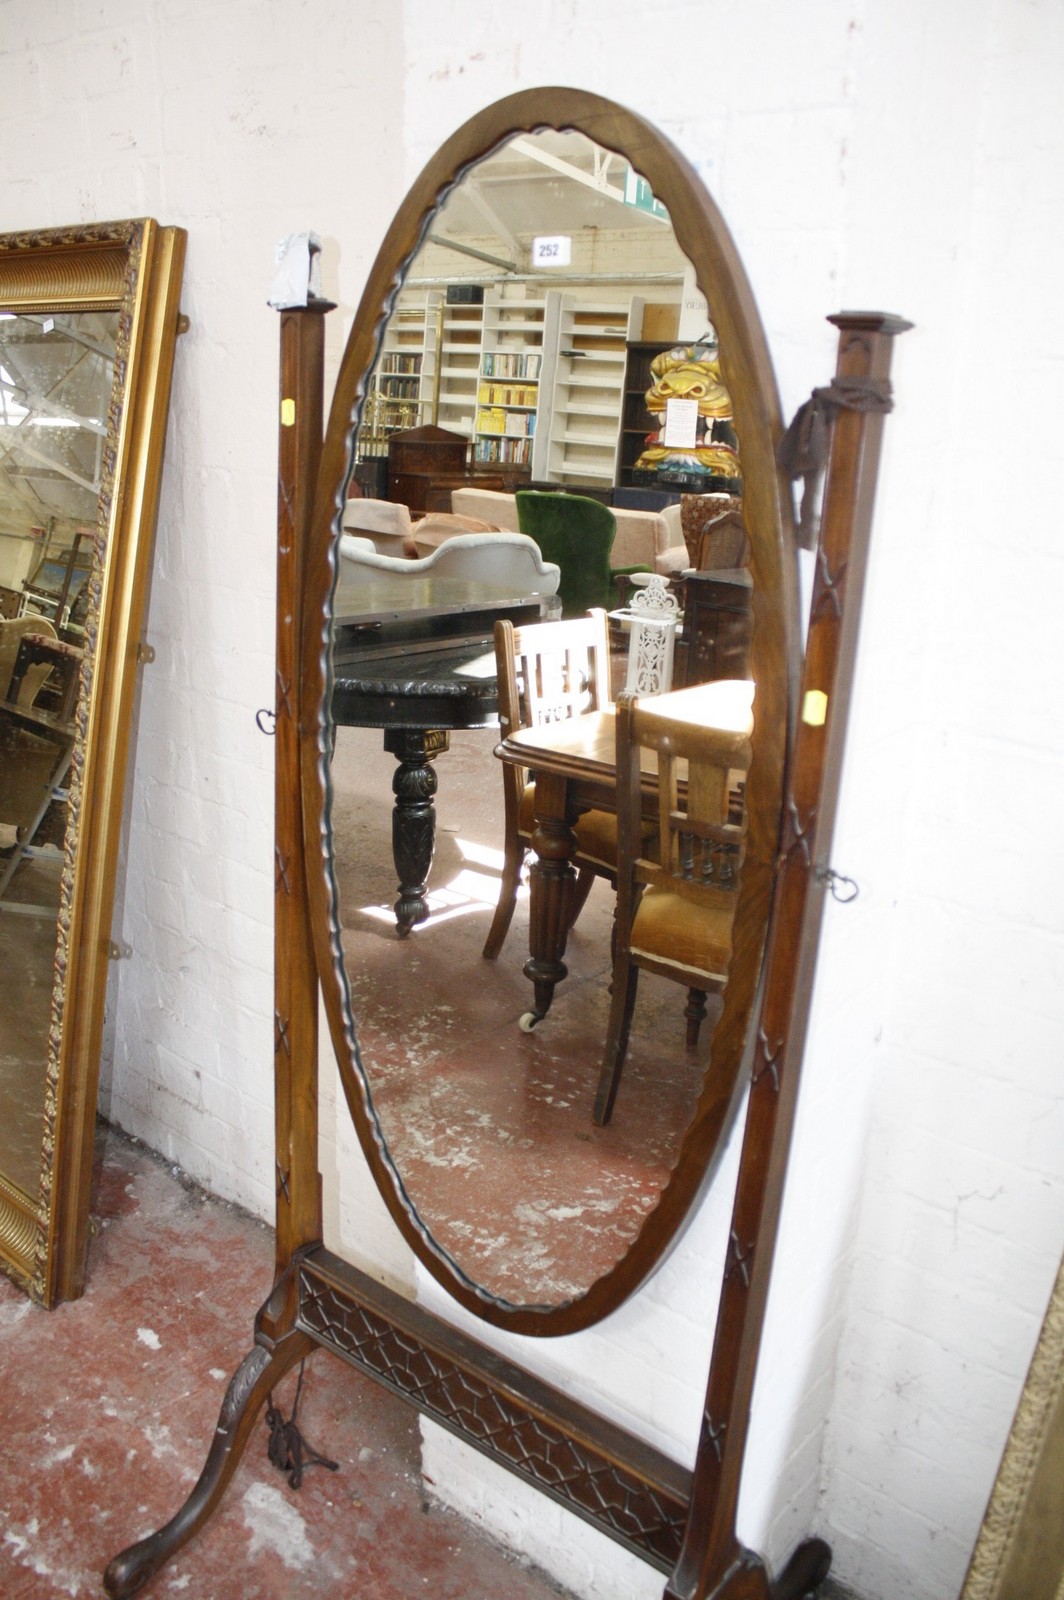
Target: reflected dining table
(574, 765)
(413, 656)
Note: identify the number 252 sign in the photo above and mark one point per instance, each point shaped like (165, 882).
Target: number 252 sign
(552, 250)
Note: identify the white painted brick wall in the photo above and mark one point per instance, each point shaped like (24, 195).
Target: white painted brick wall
(878, 152)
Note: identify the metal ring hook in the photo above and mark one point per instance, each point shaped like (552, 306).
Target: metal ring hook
(837, 882)
(259, 715)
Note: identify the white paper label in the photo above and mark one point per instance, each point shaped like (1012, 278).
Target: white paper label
(681, 424)
(552, 250)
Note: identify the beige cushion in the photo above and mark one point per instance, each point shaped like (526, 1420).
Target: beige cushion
(489, 505)
(674, 560)
(386, 522)
(433, 529)
(643, 538)
(694, 939)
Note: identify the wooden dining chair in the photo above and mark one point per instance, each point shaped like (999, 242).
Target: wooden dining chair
(548, 671)
(674, 914)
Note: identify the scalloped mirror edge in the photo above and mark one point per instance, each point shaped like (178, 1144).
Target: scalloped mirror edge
(133, 268)
(703, 237)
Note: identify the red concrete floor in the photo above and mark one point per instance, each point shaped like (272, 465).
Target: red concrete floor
(110, 1402)
(491, 1128)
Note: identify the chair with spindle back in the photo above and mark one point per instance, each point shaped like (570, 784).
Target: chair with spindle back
(674, 914)
(548, 671)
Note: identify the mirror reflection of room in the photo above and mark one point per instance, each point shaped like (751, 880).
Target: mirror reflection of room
(546, 457)
(56, 374)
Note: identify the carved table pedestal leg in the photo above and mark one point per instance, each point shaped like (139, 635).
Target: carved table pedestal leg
(552, 884)
(414, 818)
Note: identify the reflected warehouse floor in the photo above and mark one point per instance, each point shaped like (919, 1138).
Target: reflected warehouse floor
(491, 1128)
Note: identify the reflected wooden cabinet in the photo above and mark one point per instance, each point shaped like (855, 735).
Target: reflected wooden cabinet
(420, 459)
(717, 627)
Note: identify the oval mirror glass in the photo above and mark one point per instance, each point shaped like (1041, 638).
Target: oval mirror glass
(557, 328)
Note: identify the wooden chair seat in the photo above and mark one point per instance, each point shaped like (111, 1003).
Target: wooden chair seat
(682, 938)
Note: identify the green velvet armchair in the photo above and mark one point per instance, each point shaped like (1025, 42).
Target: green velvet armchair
(577, 534)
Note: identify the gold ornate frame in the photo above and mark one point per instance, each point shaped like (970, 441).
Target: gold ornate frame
(132, 267)
(1020, 1549)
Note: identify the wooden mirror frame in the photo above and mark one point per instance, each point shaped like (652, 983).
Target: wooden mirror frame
(680, 1520)
(133, 268)
(703, 237)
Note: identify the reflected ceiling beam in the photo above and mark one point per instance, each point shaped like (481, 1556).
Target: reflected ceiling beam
(38, 402)
(74, 334)
(37, 408)
(467, 250)
(51, 410)
(596, 180)
(26, 496)
(58, 467)
(480, 202)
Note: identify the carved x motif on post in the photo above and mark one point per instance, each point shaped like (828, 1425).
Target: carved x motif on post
(283, 702)
(281, 878)
(797, 832)
(738, 1259)
(281, 1040)
(713, 1433)
(285, 514)
(770, 1055)
(830, 587)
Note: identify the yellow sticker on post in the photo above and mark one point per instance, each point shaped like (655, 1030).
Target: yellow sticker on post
(815, 708)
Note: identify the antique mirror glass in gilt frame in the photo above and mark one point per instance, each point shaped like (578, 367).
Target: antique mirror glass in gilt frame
(88, 324)
(481, 1138)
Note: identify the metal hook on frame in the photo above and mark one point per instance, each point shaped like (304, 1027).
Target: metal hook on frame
(260, 721)
(840, 888)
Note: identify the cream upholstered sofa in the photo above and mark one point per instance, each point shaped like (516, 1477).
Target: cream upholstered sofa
(507, 562)
(644, 538)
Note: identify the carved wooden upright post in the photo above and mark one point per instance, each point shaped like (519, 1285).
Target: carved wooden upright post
(295, 974)
(712, 1562)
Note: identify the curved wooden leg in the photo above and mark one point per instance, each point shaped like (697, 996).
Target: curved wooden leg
(741, 1575)
(804, 1572)
(622, 1004)
(513, 861)
(256, 1375)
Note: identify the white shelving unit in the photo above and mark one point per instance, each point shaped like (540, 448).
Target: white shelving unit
(459, 367)
(536, 381)
(578, 436)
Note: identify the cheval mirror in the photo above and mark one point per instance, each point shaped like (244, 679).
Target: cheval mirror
(88, 324)
(557, 308)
